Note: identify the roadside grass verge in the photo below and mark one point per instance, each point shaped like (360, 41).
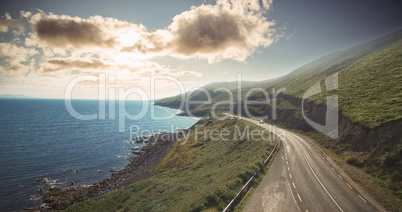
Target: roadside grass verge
(197, 175)
(257, 182)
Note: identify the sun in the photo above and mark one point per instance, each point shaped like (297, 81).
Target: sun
(128, 39)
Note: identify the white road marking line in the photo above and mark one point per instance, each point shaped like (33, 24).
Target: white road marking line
(349, 185)
(290, 175)
(340, 176)
(294, 185)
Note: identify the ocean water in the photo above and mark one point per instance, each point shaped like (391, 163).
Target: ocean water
(40, 138)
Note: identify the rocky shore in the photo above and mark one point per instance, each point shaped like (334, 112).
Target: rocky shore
(139, 168)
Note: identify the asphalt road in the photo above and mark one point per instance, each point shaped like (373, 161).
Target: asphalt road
(303, 178)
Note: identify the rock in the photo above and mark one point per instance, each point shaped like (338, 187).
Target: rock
(77, 170)
(35, 197)
(52, 182)
(44, 206)
(40, 190)
(44, 179)
(54, 188)
(136, 148)
(72, 183)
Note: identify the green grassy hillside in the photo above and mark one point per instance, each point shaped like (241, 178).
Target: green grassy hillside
(370, 80)
(370, 88)
(197, 175)
(216, 96)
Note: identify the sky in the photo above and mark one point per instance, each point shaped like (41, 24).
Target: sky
(153, 49)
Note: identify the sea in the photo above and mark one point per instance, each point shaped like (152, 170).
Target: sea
(40, 138)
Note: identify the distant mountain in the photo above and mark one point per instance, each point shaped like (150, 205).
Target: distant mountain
(9, 96)
(201, 95)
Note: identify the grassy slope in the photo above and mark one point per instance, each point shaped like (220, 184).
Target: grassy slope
(370, 76)
(370, 90)
(218, 96)
(198, 175)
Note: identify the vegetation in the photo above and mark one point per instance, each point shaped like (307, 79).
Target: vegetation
(354, 161)
(369, 76)
(205, 106)
(200, 174)
(370, 95)
(382, 177)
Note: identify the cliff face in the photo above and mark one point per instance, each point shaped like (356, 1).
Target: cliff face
(357, 137)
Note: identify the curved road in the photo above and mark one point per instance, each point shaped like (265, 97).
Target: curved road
(303, 178)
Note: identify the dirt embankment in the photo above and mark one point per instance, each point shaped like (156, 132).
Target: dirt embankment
(358, 138)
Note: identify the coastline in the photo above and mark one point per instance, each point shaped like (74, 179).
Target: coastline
(138, 168)
(181, 113)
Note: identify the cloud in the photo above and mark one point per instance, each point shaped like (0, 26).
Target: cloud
(57, 64)
(16, 59)
(204, 31)
(186, 73)
(62, 32)
(56, 48)
(128, 70)
(25, 14)
(228, 30)
(7, 22)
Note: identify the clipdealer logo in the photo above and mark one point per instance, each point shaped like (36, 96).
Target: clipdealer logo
(330, 128)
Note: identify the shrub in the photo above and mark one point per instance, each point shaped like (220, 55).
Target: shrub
(354, 161)
(351, 160)
(392, 158)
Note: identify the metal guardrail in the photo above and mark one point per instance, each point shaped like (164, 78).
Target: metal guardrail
(247, 185)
